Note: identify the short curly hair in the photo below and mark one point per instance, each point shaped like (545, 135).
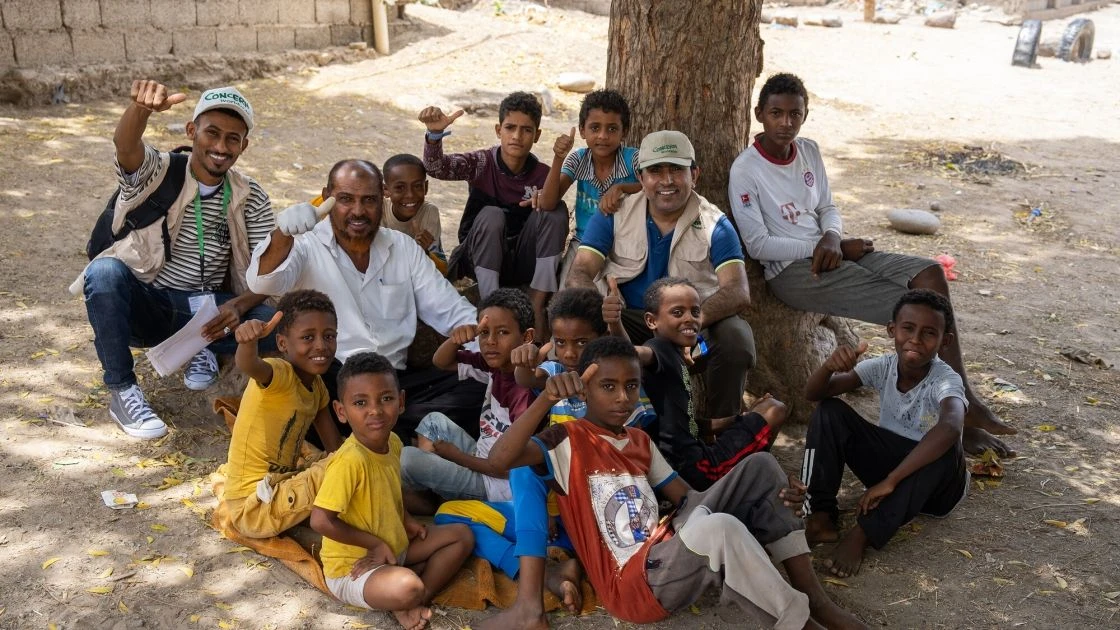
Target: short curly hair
(608, 101)
(296, 303)
(606, 348)
(651, 299)
(523, 102)
(364, 363)
(783, 83)
(513, 300)
(402, 159)
(932, 299)
(580, 303)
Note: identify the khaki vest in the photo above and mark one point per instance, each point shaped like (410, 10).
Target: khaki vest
(689, 252)
(142, 250)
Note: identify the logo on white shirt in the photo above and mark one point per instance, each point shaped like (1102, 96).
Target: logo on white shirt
(809, 179)
(790, 212)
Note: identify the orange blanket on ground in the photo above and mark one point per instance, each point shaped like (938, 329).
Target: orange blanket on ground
(474, 586)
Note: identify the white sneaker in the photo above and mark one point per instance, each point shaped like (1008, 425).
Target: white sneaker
(202, 371)
(131, 410)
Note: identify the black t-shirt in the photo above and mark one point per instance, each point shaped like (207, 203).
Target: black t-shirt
(667, 383)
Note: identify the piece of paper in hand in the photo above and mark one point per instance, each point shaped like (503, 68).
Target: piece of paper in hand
(173, 353)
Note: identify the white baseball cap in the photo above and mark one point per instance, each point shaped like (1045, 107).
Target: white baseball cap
(226, 98)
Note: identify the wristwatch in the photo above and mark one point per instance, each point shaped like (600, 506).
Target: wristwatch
(435, 137)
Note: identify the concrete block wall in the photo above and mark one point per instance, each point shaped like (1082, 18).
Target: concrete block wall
(36, 33)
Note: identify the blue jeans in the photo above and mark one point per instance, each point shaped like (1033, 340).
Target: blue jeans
(125, 312)
(423, 470)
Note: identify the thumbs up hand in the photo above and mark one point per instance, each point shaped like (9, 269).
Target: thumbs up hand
(435, 120)
(302, 217)
(612, 302)
(844, 358)
(569, 384)
(254, 329)
(564, 144)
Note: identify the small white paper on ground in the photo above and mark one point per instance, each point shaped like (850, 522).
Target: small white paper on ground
(119, 500)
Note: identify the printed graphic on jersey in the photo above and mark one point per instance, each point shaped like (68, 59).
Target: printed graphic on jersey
(745, 198)
(809, 179)
(625, 509)
(790, 212)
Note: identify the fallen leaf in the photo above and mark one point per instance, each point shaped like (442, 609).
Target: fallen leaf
(1112, 595)
(117, 472)
(226, 625)
(52, 626)
(106, 573)
(142, 505)
(835, 581)
(100, 590)
(966, 553)
(97, 553)
(187, 571)
(49, 561)
(121, 607)
(223, 605)
(195, 618)
(1091, 500)
(1061, 582)
(1002, 581)
(238, 549)
(694, 609)
(1061, 524)
(357, 624)
(151, 539)
(1046, 427)
(156, 527)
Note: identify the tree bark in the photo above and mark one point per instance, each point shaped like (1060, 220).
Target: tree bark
(691, 66)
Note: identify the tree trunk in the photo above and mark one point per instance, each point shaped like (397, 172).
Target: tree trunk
(691, 66)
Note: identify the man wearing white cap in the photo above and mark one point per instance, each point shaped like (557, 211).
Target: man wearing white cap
(146, 285)
(670, 230)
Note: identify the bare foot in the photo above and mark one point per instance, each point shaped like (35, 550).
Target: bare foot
(413, 618)
(848, 555)
(563, 581)
(833, 617)
(980, 417)
(514, 617)
(976, 441)
(819, 528)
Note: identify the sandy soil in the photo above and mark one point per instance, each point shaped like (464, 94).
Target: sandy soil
(883, 99)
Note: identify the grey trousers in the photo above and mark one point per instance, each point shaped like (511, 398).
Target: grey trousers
(532, 256)
(722, 538)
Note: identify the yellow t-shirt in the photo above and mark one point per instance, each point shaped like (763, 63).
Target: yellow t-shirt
(270, 428)
(365, 489)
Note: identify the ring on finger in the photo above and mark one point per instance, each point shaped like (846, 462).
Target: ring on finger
(226, 330)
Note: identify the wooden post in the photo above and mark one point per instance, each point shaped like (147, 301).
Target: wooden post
(380, 27)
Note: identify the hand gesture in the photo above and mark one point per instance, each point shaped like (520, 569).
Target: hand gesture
(254, 329)
(563, 145)
(874, 495)
(415, 529)
(302, 217)
(854, 248)
(534, 200)
(380, 554)
(827, 254)
(612, 302)
(424, 239)
(443, 448)
(152, 96)
(462, 335)
(227, 321)
(844, 358)
(569, 384)
(610, 200)
(793, 497)
(529, 356)
(425, 443)
(435, 120)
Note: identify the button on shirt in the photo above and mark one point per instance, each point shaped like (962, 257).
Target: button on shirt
(377, 310)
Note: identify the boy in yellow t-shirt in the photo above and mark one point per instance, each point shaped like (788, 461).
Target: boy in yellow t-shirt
(375, 555)
(266, 489)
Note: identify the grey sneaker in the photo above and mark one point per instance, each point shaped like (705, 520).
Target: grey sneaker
(131, 410)
(202, 371)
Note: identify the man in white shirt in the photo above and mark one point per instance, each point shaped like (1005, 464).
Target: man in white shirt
(380, 282)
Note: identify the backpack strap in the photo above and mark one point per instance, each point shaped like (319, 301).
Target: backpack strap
(159, 202)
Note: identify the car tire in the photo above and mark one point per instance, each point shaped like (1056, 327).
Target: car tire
(1077, 41)
(1026, 45)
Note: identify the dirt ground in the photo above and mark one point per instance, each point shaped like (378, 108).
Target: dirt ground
(1037, 550)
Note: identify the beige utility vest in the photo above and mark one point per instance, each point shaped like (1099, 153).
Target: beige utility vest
(689, 251)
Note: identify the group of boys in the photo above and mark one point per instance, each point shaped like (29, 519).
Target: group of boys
(562, 361)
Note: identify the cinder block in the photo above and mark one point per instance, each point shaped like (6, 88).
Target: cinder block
(193, 41)
(233, 39)
(173, 14)
(118, 13)
(31, 15)
(313, 37)
(81, 13)
(217, 13)
(342, 34)
(332, 11)
(144, 43)
(297, 12)
(275, 38)
(361, 12)
(7, 52)
(42, 48)
(258, 11)
(98, 45)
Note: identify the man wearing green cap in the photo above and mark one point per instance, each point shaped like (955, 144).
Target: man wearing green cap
(670, 230)
(147, 285)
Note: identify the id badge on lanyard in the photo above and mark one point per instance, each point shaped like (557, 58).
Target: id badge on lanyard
(201, 237)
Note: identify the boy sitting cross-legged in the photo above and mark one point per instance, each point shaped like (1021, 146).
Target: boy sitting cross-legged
(266, 490)
(912, 461)
(374, 554)
(672, 312)
(447, 460)
(604, 475)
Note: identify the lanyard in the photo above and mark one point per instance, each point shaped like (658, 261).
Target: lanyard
(199, 232)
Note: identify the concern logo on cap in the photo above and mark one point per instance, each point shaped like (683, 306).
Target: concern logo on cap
(226, 98)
